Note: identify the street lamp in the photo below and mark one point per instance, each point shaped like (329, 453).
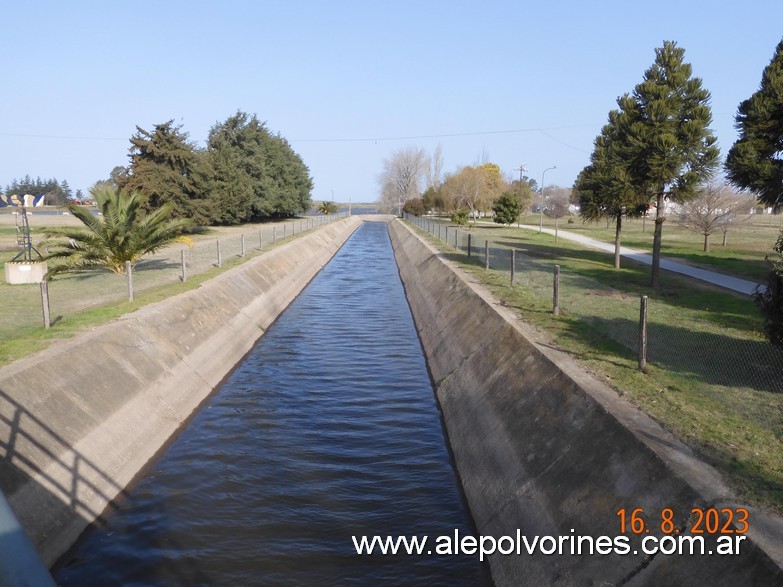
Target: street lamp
(541, 216)
(522, 169)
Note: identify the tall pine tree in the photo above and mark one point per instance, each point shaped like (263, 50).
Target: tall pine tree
(162, 167)
(255, 174)
(755, 161)
(605, 188)
(672, 149)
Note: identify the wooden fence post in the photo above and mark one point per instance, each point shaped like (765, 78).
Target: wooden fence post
(184, 266)
(643, 334)
(47, 320)
(129, 275)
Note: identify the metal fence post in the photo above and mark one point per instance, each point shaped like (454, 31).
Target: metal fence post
(129, 274)
(469, 239)
(456, 238)
(184, 266)
(513, 264)
(486, 255)
(219, 258)
(643, 334)
(47, 320)
(242, 245)
(556, 292)
(260, 240)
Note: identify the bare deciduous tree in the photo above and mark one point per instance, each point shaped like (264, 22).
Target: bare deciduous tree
(401, 178)
(435, 168)
(714, 208)
(557, 207)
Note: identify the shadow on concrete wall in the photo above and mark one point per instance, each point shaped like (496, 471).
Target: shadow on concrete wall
(55, 491)
(30, 449)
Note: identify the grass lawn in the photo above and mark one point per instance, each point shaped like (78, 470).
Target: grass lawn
(83, 300)
(712, 379)
(748, 242)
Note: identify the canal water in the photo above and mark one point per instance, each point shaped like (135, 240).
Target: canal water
(327, 430)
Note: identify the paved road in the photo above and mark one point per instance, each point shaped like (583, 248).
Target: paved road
(733, 283)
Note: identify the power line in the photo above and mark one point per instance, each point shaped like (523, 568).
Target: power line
(346, 139)
(67, 138)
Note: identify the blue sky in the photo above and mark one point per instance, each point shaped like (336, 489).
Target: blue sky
(350, 82)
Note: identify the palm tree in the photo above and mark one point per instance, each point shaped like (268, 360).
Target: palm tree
(124, 232)
(328, 208)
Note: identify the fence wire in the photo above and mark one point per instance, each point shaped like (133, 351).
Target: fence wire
(70, 294)
(713, 355)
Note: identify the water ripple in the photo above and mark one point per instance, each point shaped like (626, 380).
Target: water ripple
(327, 429)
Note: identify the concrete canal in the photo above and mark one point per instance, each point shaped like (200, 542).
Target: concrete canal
(327, 430)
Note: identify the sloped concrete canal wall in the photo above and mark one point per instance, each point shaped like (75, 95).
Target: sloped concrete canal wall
(80, 419)
(544, 449)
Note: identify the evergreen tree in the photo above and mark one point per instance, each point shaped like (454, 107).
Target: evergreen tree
(163, 166)
(56, 193)
(506, 208)
(430, 199)
(604, 187)
(66, 189)
(286, 185)
(235, 158)
(671, 148)
(254, 174)
(755, 161)
(770, 299)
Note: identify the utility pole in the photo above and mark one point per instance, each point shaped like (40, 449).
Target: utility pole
(522, 169)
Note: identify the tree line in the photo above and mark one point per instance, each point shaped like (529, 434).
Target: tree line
(56, 193)
(412, 181)
(656, 149)
(245, 172)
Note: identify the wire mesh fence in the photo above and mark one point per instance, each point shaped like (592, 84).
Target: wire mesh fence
(716, 355)
(70, 294)
(713, 384)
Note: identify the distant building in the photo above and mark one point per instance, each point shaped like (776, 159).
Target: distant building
(28, 201)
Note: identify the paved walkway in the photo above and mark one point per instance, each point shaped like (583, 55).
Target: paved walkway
(727, 281)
